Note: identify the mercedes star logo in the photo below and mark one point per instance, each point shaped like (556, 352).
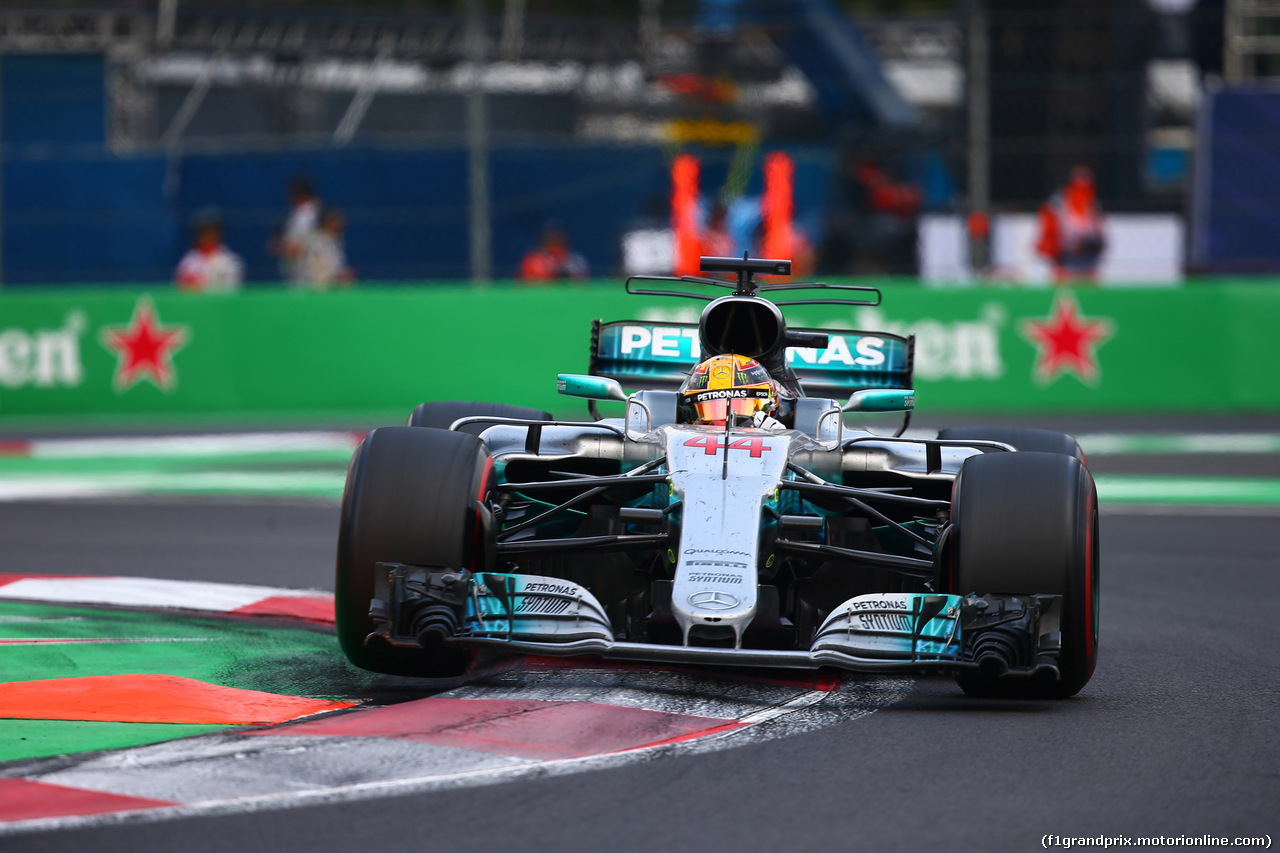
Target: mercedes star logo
(713, 600)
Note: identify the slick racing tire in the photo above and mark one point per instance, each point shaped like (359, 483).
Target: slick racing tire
(442, 415)
(1025, 524)
(412, 496)
(1021, 438)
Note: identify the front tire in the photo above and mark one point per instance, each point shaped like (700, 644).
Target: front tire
(441, 415)
(1027, 523)
(1022, 438)
(412, 496)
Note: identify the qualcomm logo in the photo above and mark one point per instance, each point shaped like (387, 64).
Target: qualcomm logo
(44, 358)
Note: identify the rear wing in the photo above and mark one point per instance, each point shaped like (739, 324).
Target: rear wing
(660, 355)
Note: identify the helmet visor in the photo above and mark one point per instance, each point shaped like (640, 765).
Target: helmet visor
(712, 406)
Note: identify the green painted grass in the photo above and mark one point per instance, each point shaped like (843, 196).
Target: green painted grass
(230, 652)
(1194, 491)
(21, 739)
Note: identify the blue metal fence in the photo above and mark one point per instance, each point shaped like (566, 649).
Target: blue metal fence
(74, 212)
(1237, 194)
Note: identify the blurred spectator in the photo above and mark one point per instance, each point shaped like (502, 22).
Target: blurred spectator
(553, 259)
(892, 208)
(978, 226)
(648, 242)
(322, 261)
(717, 242)
(872, 229)
(1072, 233)
(209, 266)
(803, 255)
(303, 219)
(799, 250)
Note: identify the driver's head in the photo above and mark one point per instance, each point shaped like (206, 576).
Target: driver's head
(726, 385)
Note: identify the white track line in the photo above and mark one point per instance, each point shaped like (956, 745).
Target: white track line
(1211, 443)
(147, 592)
(804, 700)
(324, 484)
(210, 445)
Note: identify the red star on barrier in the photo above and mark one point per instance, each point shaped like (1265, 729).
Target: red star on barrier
(1066, 342)
(145, 348)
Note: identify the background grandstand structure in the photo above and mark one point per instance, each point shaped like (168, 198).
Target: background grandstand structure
(336, 92)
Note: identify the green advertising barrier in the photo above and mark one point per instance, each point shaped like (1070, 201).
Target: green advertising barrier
(1209, 347)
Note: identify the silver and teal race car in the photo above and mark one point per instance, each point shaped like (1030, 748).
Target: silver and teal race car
(656, 537)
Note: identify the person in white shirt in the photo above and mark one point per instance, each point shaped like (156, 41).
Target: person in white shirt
(322, 262)
(302, 222)
(209, 266)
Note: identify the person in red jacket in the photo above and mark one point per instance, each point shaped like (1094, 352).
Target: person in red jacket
(553, 259)
(1072, 232)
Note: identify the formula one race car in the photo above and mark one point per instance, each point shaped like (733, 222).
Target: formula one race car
(727, 518)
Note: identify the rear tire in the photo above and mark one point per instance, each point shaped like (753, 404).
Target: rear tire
(442, 415)
(412, 496)
(1027, 523)
(1022, 438)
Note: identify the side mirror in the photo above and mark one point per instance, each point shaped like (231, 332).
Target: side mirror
(881, 400)
(590, 387)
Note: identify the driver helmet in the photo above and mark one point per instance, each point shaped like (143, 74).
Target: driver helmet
(727, 384)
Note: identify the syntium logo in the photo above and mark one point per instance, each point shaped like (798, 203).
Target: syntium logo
(42, 358)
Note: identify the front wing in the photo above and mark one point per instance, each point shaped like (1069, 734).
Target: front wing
(882, 632)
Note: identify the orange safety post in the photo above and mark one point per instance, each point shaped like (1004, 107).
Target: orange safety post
(684, 214)
(777, 206)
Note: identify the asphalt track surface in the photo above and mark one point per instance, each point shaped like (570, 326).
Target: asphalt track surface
(1178, 733)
